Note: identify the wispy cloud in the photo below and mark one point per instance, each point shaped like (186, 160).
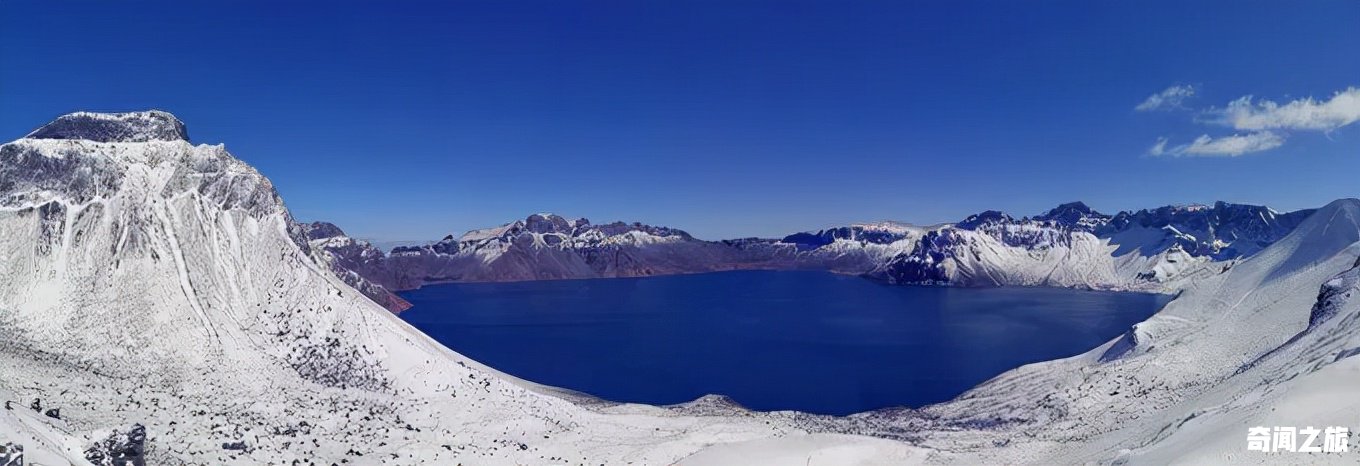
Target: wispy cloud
(1263, 124)
(1303, 114)
(1226, 146)
(1158, 148)
(1172, 98)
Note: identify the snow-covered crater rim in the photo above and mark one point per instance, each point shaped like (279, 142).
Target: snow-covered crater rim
(144, 126)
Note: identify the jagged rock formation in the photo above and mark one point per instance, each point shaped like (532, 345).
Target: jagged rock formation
(547, 246)
(1071, 245)
(1075, 246)
(347, 256)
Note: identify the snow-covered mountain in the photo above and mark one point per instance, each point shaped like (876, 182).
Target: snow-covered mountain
(547, 246)
(1075, 246)
(158, 300)
(347, 256)
(1221, 232)
(158, 303)
(1270, 342)
(1071, 245)
(852, 249)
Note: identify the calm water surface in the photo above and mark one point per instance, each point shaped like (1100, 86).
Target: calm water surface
(809, 341)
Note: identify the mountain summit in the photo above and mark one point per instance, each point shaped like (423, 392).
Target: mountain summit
(152, 125)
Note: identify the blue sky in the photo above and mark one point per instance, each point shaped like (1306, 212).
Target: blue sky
(408, 121)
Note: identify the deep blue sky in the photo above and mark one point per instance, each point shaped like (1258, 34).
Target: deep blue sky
(413, 120)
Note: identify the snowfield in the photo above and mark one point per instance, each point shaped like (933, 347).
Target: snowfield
(161, 298)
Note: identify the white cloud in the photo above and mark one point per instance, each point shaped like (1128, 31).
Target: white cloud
(1169, 99)
(1159, 148)
(1303, 114)
(1227, 146)
(1264, 124)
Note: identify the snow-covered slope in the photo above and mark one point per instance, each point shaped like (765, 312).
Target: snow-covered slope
(154, 287)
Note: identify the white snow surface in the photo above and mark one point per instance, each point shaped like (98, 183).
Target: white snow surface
(162, 283)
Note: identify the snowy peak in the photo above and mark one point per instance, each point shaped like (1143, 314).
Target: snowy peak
(872, 233)
(562, 228)
(347, 257)
(1222, 231)
(1075, 215)
(153, 125)
(71, 160)
(552, 223)
(541, 223)
(321, 230)
(990, 217)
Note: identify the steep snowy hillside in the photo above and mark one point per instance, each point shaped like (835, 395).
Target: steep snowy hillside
(348, 255)
(157, 297)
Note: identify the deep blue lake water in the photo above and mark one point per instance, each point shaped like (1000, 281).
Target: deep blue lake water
(809, 341)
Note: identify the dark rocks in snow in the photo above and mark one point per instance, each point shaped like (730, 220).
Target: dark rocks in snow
(989, 217)
(1075, 215)
(11, 454)
(810, 240)
(355, 262)
(546, 246)
(120, 449)
(321, 230)
(1222, 231)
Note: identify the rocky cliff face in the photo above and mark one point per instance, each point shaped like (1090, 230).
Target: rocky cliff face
(546, 246)
(347, 256)
(1075, 246)
(1071, 245)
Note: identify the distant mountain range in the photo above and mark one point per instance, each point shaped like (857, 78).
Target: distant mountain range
(1071, 245)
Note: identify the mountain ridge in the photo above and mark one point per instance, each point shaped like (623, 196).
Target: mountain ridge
(1142, 250)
